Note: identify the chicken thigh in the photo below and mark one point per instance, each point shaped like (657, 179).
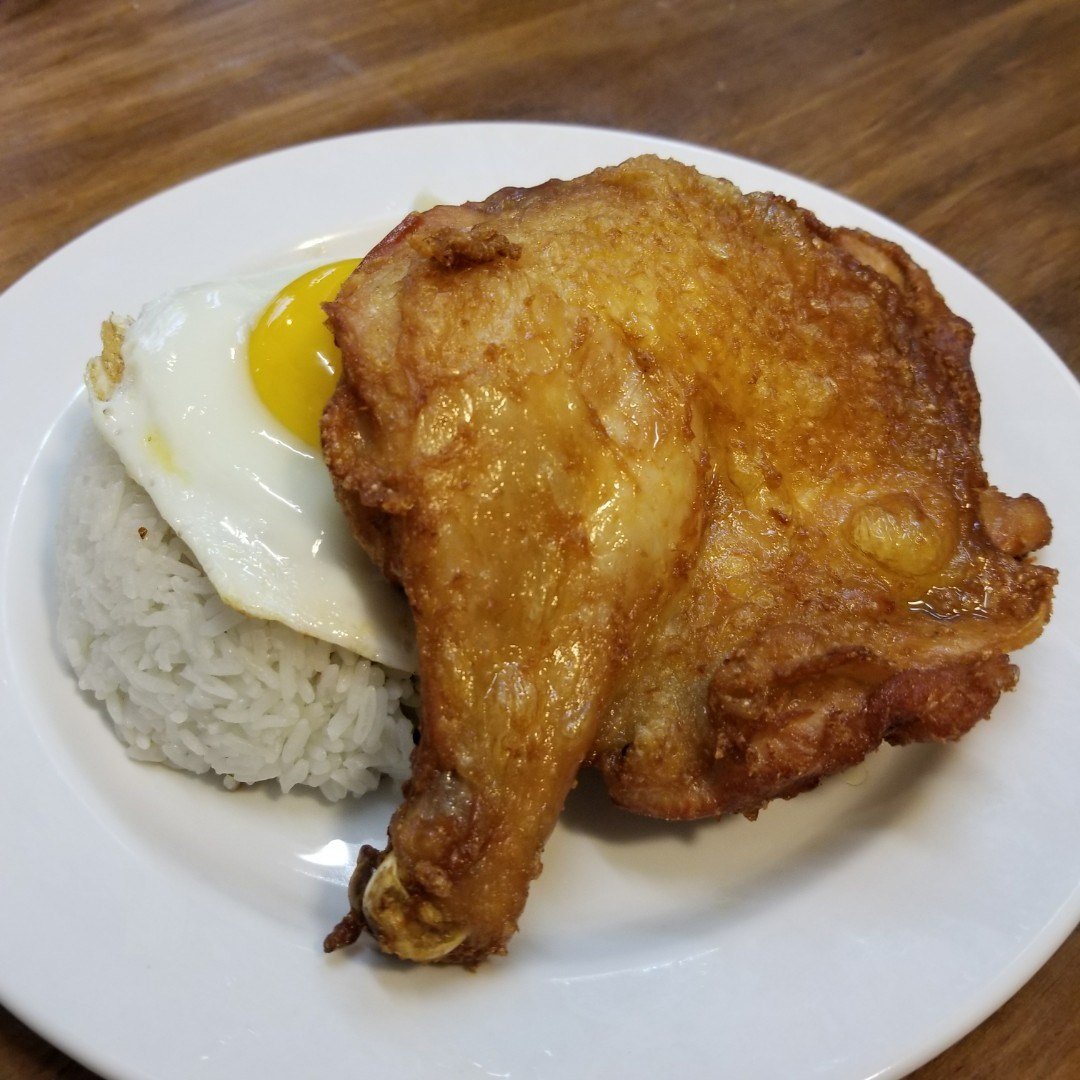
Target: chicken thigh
(677, 481)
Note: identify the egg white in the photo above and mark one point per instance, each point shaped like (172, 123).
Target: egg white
(253, 502)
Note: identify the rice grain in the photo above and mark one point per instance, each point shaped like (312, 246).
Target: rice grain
(187, 680)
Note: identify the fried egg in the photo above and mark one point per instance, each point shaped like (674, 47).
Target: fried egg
(212, 399)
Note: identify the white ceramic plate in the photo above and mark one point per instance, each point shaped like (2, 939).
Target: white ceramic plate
(154, 925)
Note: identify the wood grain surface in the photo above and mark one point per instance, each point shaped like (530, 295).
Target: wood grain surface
(960, 120)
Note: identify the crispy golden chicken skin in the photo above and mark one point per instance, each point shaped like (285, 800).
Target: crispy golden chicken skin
(678, 481)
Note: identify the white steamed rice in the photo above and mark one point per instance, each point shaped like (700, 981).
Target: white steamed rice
(189, 681)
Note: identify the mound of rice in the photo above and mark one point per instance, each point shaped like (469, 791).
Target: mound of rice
(189, 681)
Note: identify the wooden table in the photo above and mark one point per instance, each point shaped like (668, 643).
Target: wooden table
(960, 120)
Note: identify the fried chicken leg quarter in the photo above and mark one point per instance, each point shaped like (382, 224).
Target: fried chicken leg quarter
(680, 483)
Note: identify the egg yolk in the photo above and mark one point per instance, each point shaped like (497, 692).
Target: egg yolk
(294, 362)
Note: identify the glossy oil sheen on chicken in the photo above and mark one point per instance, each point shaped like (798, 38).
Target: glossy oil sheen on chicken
(680, 483)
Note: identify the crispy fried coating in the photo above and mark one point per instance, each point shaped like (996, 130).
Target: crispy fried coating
(679, 482)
